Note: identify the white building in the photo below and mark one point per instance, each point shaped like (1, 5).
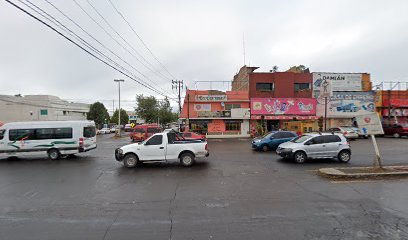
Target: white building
(40, 108)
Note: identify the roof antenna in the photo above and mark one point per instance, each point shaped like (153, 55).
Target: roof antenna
(243, 46)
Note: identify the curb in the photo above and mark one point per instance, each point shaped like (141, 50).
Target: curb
(393, 171)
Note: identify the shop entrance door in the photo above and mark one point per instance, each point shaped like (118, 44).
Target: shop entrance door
(272, 125)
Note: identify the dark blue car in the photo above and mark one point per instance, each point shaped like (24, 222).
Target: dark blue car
(271, 140)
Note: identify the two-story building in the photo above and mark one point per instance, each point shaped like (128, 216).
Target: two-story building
(278, 99)
(216, 113)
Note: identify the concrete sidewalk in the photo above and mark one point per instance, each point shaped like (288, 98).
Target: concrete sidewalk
(365, 172)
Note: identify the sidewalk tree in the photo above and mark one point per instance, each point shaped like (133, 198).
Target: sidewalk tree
(165, 112)
(147, 108)
(98, 113)
(124, 117)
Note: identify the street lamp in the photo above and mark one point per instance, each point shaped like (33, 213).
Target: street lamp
(119, 81)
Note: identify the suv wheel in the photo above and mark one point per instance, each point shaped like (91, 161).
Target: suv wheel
(265, 148)
(300, 157)
(396, 135)
(344, 156)
(130, 161)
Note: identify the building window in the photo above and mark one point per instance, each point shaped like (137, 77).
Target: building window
(233, 126)
(266, 87)
(302, 86)
(230, 106)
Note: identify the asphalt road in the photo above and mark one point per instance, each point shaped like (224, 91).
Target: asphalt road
(236, 194)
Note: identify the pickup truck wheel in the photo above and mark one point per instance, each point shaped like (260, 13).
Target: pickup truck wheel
(187, 159)
(130, 161)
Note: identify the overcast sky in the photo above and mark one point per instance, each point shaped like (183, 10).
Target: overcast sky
(197, 41)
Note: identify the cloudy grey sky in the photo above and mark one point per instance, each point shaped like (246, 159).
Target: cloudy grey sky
(198, 41)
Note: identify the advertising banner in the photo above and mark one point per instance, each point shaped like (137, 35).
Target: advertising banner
(347, 104)
(369, 124)
(283, 106)
(210, 98)
(202, 107)
(339, 81)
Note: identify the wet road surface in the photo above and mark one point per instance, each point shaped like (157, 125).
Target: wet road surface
(236, 194)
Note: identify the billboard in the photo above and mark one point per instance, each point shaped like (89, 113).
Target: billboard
(348, 104)
(339, 81)
(211, 98)
(283, 106)
(369, 124)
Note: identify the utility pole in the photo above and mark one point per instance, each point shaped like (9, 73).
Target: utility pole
(118, 81)
(178, 85)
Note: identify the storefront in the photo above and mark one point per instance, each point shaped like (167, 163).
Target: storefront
(294, 114)
(217, 114)
(395, 112)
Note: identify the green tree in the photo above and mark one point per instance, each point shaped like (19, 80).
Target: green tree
(147, 108)
(299, 69)
(98, 113)
(165, 112)
(124, 117)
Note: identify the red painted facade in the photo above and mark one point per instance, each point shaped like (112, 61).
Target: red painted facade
(284, 85)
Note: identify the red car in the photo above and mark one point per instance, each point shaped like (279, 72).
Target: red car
(395, 130)
(193, 136)
(142, 132)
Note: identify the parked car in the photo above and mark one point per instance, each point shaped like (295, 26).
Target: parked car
(128, 128)
(395, 130)
(271, 140)
(359, 132)
(113, 129)
(315, 146)
(348, 132)
(103, 131)
(142, 132)
(162, 147)
(193, 136)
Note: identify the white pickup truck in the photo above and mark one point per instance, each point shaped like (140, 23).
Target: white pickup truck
(162, 147)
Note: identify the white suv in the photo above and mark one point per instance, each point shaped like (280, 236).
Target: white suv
(314, 146)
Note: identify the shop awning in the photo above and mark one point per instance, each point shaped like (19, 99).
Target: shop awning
(257, 117)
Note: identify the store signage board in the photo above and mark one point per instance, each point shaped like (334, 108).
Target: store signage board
(348, 104)
(369, 124)
(339, 81)
(211, 98)
(283, 106)
(202, 107)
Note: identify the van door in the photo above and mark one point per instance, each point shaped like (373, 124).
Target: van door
(88, 138)
(153, 149)
(2, 142)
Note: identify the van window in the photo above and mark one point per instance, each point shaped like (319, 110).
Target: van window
(139, 130)
(44, 133)
(2, 133)
(19, 134)
(152, 130)
(63, 133)
(89, 132)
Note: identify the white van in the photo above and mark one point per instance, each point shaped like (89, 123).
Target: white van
(56, 138)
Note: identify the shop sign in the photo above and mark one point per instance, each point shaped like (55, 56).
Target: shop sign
(396, 112)
(339, 81)
(211, 98)
(283, 106)
(369, 124)
(348, 104)
(202, 107)
(216, 114)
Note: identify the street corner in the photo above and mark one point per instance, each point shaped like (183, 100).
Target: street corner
(367, 173)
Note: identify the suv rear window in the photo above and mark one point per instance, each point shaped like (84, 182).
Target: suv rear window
(89, 132)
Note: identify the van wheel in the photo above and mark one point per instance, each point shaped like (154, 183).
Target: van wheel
(300, 157)
(53, 154)
(344, 156)
(187, 159)
(130, 160)
(265, 148)
(396, 135)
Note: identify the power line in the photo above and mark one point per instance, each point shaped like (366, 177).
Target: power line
(137, 35)
(110, 35)
(90, 46)
(76, 44)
